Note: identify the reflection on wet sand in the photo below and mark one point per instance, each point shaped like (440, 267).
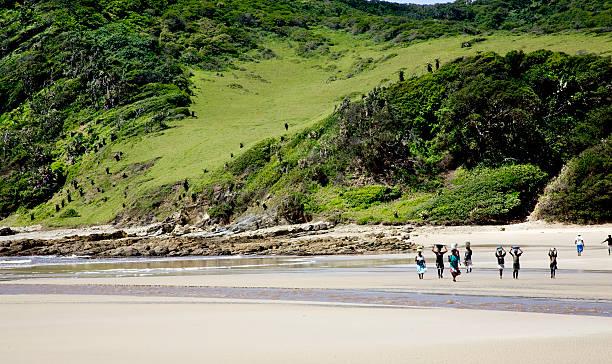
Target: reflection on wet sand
(391, 299)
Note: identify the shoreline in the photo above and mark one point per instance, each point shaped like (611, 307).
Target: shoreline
(356, 312)
(318, 238)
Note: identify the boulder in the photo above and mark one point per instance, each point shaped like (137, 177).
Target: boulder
(6, 231)
(119, 234)
(160, 250)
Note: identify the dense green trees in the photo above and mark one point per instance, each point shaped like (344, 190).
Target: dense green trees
(540, 108)
(75, 71)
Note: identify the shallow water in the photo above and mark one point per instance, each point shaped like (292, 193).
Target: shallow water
(16, 268)
(12, 268)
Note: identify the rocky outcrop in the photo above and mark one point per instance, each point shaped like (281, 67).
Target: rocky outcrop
(304, 239)
(119, 234)
(7, 231)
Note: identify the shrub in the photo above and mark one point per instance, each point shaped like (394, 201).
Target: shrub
(582, 193)
(254, 158)
(292, 208)
(222, 212)
(487, 195)
(70, 213)
(362, 198)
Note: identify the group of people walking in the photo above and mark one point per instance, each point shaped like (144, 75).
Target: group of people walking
(454, 258)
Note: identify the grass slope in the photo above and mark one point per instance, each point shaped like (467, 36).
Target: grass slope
(252, 102)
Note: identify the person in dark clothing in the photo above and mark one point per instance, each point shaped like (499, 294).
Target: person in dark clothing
(467, 261)
(500, 254)
(552, 255)
(609, 241)
(516, 253)
(439, 250)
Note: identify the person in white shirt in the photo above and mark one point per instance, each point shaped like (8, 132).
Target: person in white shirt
(579, 244)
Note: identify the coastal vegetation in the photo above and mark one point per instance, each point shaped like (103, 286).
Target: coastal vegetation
(474, 142)
(128, 111)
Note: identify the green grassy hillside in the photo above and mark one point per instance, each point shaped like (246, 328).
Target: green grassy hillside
(122, 110)
(251, 102)
(474, 142)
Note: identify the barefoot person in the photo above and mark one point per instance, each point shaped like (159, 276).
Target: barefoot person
(439, 250)
(552, 255)
(420, 263)
(500, 254)
(516, 253)
(579, 244)
(609, 241)
(454, 259)
(467, 260)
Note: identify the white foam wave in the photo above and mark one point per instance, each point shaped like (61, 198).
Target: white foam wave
(16, 261)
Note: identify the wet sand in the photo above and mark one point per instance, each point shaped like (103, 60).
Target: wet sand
(585, 277)
(358, 297)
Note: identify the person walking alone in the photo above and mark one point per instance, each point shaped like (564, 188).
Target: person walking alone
(579, 244)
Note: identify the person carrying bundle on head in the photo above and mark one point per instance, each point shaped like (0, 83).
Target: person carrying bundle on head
(467, 260)
(439, 250)
(500, 254)
(552, 256)
(454, 259)
(516, 253)
(420, 263)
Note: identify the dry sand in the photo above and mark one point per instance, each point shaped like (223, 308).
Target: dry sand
(82, 329)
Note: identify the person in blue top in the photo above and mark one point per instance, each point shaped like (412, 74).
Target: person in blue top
(454, 259)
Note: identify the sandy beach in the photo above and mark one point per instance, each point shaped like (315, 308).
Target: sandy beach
(80, 329)
(101, 320)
